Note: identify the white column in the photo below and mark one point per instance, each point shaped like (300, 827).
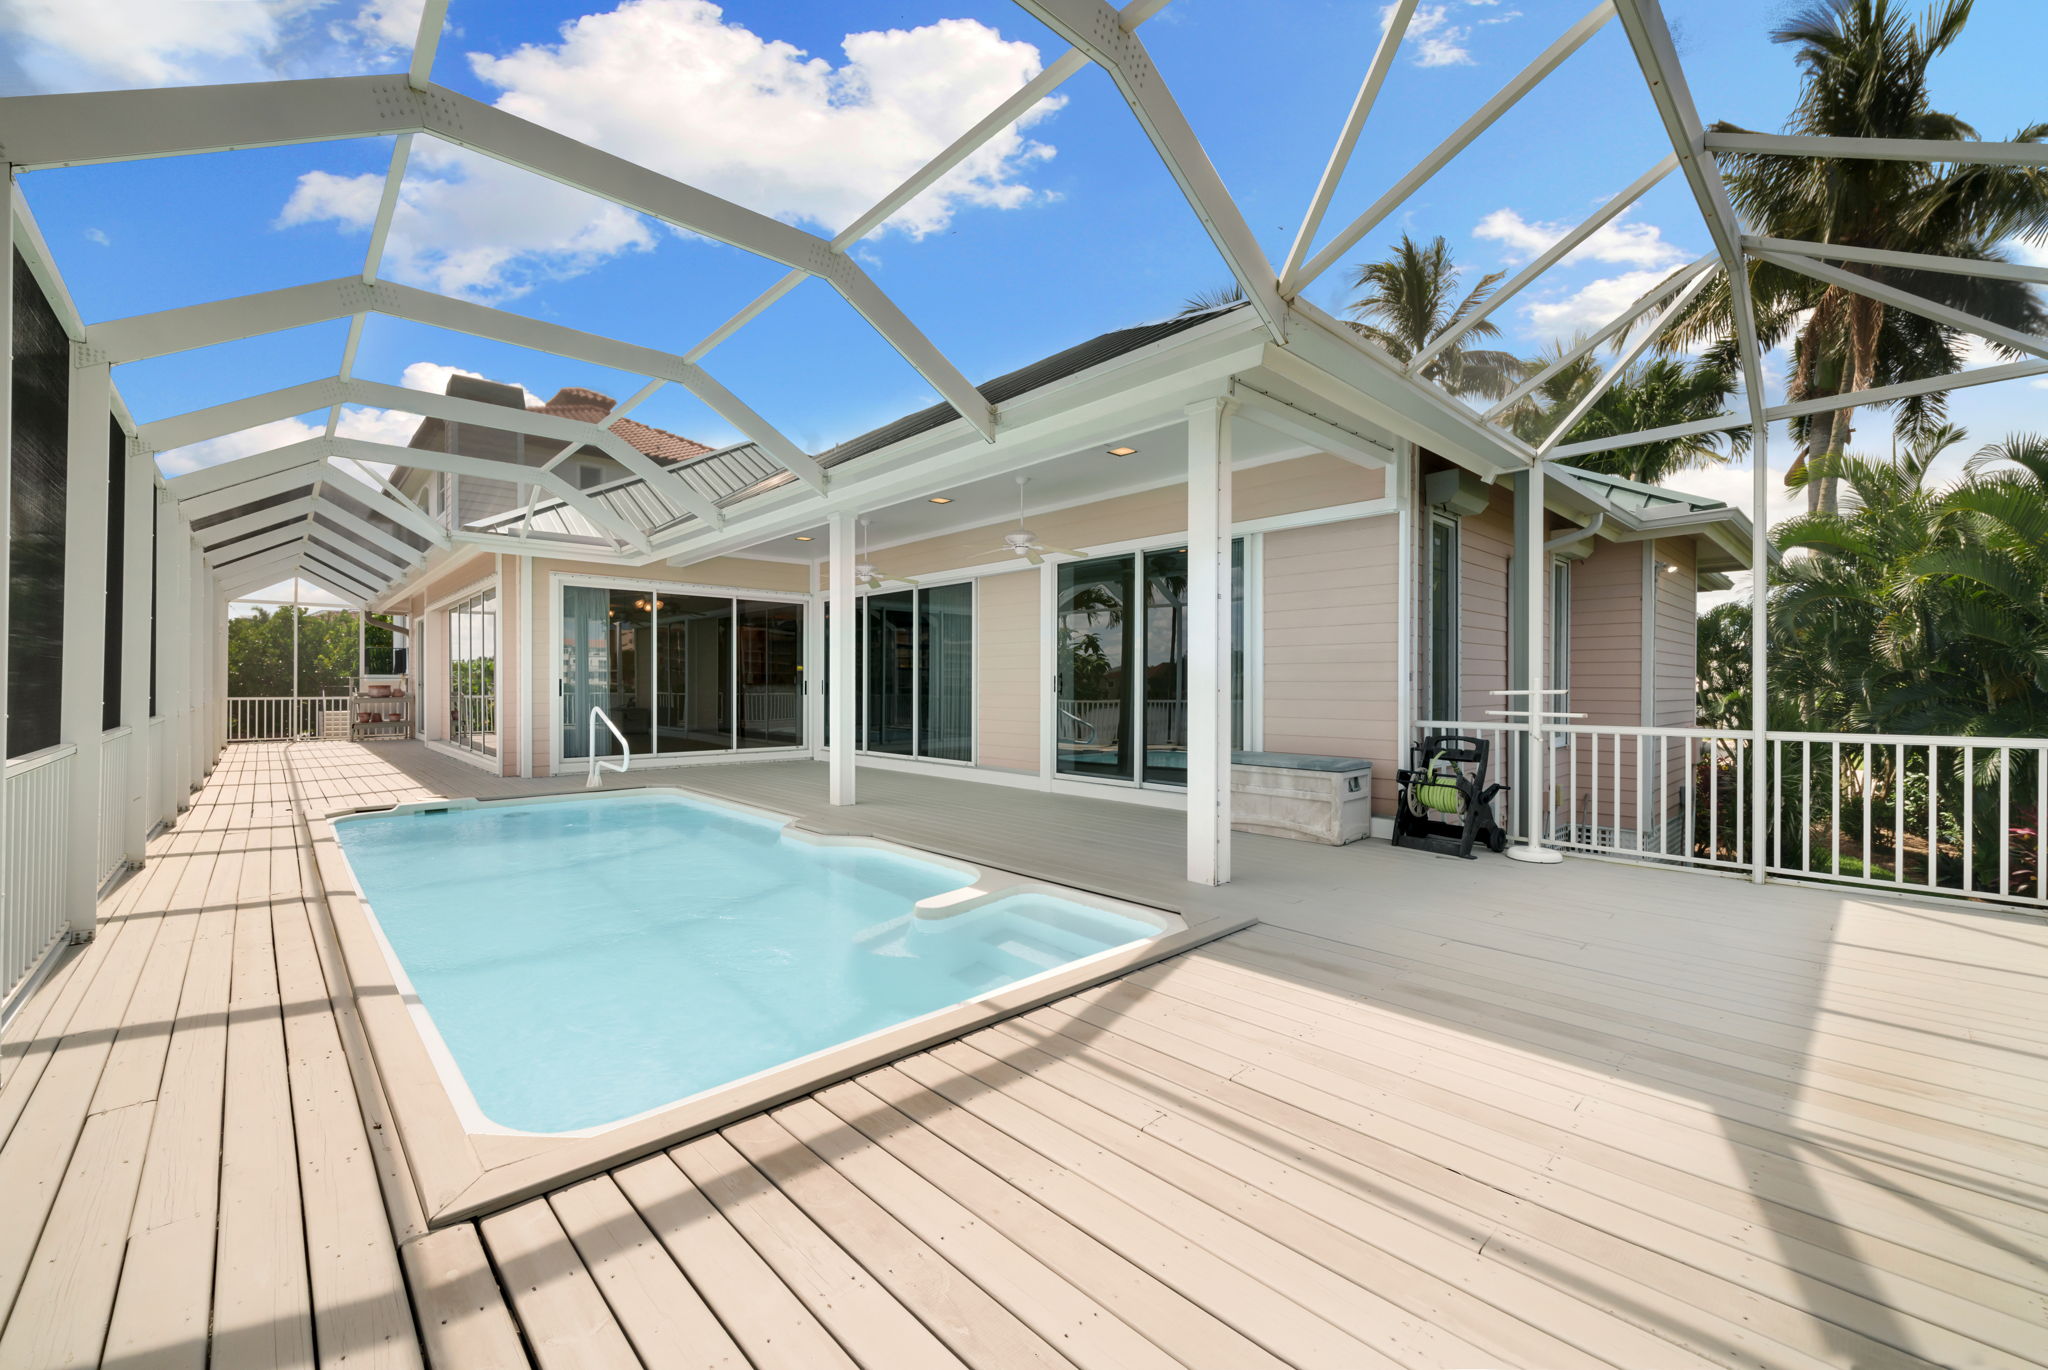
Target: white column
(530, 690)
(85, 620)
(814, 661)
(140, 497)
(175, 617)
(1759, 652)
(843, 606)
(1536, 586)
(1208, 817)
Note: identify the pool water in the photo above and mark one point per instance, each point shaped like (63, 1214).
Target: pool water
(588, 960)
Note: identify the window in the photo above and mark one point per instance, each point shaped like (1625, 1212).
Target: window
(1443, 703)
(680, 673)
(588, 473)
(914, 658)
(1121, 711)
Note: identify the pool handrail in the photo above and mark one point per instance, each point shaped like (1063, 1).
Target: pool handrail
(598, 763)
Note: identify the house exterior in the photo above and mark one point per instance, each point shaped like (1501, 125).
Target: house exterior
(1370, 592)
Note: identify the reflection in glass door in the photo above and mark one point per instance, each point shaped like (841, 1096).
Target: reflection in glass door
(1122, 626)
(1095, 626)
(680, 673)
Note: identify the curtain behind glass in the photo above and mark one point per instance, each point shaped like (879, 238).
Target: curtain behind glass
(586, 665)
(945, 643)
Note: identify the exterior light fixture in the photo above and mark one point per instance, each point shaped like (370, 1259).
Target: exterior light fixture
(1121, 451)
(805, 537)
(1666, 567)
(940, 499)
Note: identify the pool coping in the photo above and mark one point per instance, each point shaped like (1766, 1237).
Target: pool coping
(462, 1174)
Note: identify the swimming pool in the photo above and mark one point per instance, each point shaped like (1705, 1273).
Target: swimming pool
(578, 962)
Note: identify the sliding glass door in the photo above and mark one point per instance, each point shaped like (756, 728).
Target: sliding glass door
(473, 673)
(914, 661)
(1121, 627)
(680, 673)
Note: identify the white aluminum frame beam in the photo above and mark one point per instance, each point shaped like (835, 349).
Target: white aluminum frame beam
(223, 541)
(368, 534)
(1396, 28)
(1648, 300)
(1543, 261)
(1720, 423)
(1097, 30)
(1638, 345)
(70, 130)
(1481, 119)
(144, 336)
(1911, 261)
(1885, 394)
(1255, 406)
(1965, 151)
(1908, 301)
(484, 469)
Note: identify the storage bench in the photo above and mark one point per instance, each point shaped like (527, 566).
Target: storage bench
(1309, 798)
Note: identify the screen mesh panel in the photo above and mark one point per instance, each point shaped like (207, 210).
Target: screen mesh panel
(35, 571)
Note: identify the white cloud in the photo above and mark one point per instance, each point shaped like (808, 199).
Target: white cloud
(97, 44)
(1620, 242)
(674, 86)
(370, 425)
(1432, 37)
(433, 378)
(98, 235)
(1591, 306)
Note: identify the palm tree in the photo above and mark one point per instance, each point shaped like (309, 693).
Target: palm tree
(1411, 297)
(1651, 394)
(1865, 74)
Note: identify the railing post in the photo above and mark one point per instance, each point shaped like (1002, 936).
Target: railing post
(1759, 654)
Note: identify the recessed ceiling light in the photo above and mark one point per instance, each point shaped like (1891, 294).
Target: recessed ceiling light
(805, 537)
(1121, 451)
(940, 499)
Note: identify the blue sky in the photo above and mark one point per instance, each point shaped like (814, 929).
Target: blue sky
(1067, 227)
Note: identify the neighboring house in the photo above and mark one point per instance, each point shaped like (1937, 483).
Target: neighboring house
(472, 501)
(1072, 673)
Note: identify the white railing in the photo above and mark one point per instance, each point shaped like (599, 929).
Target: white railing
(597, 763)
(1955, 816)
(1935, 815)
(35, 847)
(117, 746)
(279, 718)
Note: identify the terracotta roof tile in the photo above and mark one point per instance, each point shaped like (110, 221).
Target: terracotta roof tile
(590, 406)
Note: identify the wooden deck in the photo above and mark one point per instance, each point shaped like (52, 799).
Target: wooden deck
(1428, 1114)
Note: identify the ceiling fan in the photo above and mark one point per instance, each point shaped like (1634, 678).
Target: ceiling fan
(868, 576)
(1024, 543)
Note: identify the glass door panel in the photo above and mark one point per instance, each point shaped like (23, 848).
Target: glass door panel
(1096, 624)
(1166, 666)
(628, 692)
(890, 623)
(771, 657)
(693, 703)
(586, 665)
(945, 680)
